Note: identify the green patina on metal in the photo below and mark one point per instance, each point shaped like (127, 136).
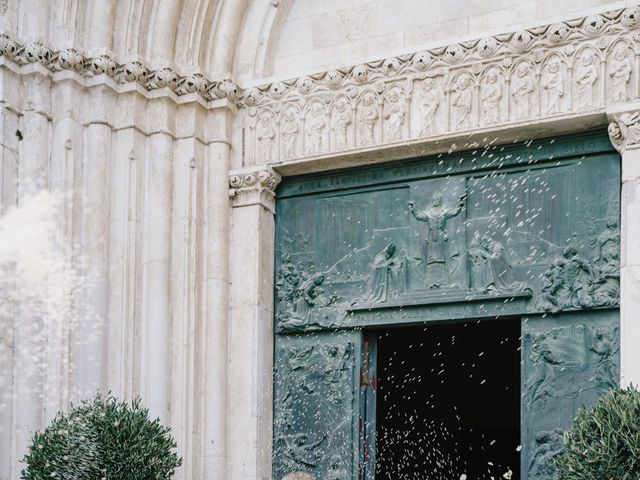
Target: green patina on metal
(528, 230)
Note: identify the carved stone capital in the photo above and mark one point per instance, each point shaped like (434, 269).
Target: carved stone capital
(254, 187)
(624, 127)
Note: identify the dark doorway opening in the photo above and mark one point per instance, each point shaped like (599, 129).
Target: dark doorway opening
(448, 402)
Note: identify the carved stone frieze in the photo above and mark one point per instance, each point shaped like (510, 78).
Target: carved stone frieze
(568, 68)
(73, 60)
(253, 187)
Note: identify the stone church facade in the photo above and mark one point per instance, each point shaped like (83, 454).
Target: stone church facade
(257, 183)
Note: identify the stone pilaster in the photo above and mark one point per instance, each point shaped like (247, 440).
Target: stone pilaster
(624, 131)
(252, 195)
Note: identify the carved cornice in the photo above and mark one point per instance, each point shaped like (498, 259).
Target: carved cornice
(254, 187)
(566, 69)
(130, 72)
(624, 127)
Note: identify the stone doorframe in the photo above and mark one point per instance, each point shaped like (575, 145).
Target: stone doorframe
(541, 82)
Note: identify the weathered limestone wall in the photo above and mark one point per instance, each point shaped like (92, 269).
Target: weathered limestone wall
(147, 110)
(337, 32)
(149, 177)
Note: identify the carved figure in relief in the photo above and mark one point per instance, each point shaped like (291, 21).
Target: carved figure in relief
(602, 346)
(620, 73)
(574, 282)
(552, 286)
(436, 239)
(549, 444)
(546, 360)
(553, 86)
(301, 452)
(491, 94)
(586, 77)
(394, 115)
(430, 99)
(385, 275)
(367, 117)
(607, 272)
(316, 123)
(336, 362)
(461, 100)
(336, 472)
(289, 133)
(298, 293)
(340, 125)
(307, 296)
(625, 131)
(265, 135)
(490, 267)
(577, 272)
(522, 90)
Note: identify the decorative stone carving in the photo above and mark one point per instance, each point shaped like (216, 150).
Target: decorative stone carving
(491, 95)
(253, 187)
(565, 68)
(289, 128)
(395, 114)
(586, 77)
(553, 86)
(429, 100)
(624, 130)
(368, 119)
(71, 59)
(522, 91)
(316, 126)
(462, 101)
(265, 137)
(341, 121)
(620, 73)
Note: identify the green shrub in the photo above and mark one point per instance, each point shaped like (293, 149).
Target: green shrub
(604, 442)
(102, 439)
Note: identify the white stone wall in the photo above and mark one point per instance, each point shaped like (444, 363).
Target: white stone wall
(133, 106)
(318, 34)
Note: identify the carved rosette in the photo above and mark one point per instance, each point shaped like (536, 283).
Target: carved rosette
(569, 68)
(624, 127)
(254, 187)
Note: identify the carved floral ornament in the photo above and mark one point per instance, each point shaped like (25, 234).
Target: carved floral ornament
(568, 68)
(72, 60)
(253, 187)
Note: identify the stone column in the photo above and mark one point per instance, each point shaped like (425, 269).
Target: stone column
(252, 193)
(624, 132)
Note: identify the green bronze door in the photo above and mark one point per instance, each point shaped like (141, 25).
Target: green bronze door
(527, 232)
